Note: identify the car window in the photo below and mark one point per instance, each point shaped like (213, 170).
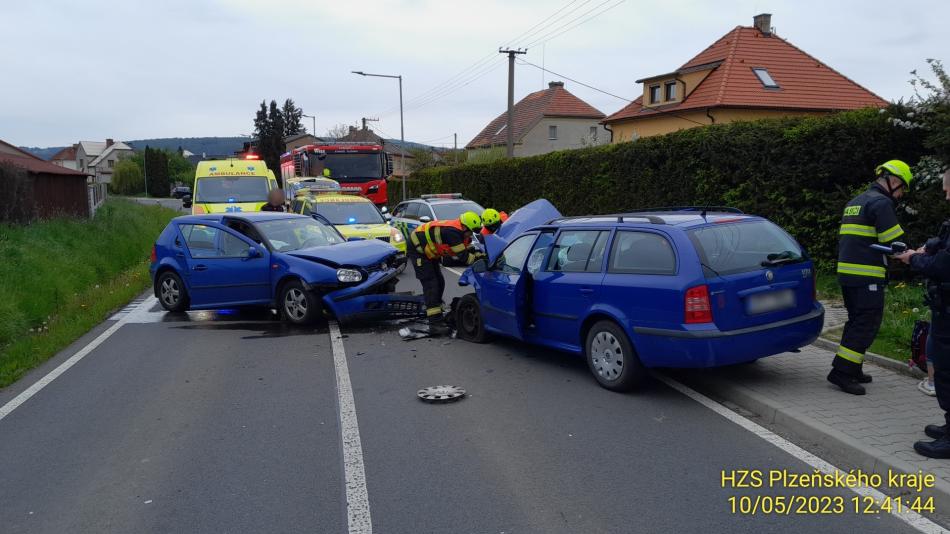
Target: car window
(425, 210)
(541, 246)
(452, 210)
(200, 240)
(512, 259)
(246, 230)
(297, 206)
(231, 246)
(399, 210)
(412, 211)
(641, 253)
(743, 246)
(578, 251)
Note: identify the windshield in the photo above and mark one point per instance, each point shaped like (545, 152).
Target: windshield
(349, 212)
(452, 210)
(232, 189)
(293, 234)
(746, 246)
(354, 167)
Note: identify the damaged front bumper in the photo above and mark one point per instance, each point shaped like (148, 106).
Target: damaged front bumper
(373, 299)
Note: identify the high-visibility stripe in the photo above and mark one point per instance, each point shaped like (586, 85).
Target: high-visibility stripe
(850, 355)
(890, 234)
(873, 271)
(858, 229)
(458, 248)
(430, 312)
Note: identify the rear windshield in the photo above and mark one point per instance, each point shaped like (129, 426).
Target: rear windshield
(739, 247)
(452, 210)
(215, 190)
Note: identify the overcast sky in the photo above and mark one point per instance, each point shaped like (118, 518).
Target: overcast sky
(135, 69)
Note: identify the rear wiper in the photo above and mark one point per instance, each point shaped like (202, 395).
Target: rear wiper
(781, 258)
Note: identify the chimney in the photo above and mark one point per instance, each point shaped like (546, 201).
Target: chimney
(763, 23)
(552, 85)
(109, 142)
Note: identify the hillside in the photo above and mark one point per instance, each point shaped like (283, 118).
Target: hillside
(216, 146)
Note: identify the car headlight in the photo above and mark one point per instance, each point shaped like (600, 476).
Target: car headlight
(395, 236)
(349, 275)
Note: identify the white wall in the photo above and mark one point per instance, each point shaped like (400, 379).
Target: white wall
(571, 133)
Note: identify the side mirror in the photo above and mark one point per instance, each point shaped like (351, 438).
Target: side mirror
(384, 209)
(387, 217)
(253, 252)
(355, 238)
(425, 219)
(480, 266)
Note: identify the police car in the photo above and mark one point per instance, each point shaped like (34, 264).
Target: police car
(410, 214)
(355, 216)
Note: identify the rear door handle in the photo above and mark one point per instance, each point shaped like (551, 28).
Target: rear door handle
(200, 267)
(179, 254)
(586, 290)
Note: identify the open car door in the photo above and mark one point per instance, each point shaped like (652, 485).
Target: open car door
(502, 291)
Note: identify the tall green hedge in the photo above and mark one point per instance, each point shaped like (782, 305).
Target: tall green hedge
(798, 172)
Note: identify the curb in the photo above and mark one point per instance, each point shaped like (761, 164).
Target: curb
(876, 359)
(848, 451)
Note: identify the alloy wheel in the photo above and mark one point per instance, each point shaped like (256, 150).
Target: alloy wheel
(170, 292)
(295, 304)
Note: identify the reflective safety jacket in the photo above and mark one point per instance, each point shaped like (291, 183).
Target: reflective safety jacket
(868, 219)
(439, 239)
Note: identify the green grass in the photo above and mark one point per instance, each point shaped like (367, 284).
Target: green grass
(59, 278)
(904, 305)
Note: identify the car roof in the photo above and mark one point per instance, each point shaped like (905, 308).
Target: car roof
(440, 200)
(678, 218)
(251, 216)
(344, 198)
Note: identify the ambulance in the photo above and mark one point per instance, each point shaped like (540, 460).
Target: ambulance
(231, 185)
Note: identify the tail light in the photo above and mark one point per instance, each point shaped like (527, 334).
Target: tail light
(154, 256)
(698, 309)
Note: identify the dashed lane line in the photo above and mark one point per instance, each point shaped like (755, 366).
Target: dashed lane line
(357, 498)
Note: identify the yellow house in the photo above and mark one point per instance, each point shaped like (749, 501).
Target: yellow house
(750, 73)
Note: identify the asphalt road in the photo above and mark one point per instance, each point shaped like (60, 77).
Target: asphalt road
(232, 422)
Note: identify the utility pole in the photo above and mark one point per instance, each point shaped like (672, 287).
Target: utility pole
(510, 135)
(365, 120)
(455, 141)
(314, 118)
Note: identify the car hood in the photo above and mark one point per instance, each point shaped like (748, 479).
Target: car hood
(523, 219)
(359, 253)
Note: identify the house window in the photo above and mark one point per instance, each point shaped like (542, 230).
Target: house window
(670, 91)
(654, 94)
(552, 132)
(82, 164)
(765, 78)
(593, 133)
(111, 163)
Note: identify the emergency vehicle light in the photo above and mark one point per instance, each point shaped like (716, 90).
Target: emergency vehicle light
(251, 156)
(442, 195)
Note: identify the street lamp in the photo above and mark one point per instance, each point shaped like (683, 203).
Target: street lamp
(402, 134)
(314, 131)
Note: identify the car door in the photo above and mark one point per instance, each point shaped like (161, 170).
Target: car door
(502, 293)
(220, 271)
(569, 284)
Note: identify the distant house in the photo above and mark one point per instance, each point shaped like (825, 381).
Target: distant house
(544, 121)
(66, 158)
(750, 73)
(56, 190)
(99, 158)
(400, 151)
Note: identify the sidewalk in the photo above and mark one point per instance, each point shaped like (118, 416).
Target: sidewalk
(874, 432)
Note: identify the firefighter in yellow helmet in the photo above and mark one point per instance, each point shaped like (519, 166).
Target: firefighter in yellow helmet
(491, 220)
(431, 242)
(868, 219)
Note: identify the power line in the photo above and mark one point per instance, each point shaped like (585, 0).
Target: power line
(561, 29)
(462, 83)
(530, 34)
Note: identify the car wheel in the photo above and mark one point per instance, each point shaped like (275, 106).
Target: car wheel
(468, 320)
(171, 292)
(298, 305)
(611, 358)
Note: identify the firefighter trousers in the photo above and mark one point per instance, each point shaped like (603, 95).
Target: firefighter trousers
(429, 273)
(865, 305)
(938, 351)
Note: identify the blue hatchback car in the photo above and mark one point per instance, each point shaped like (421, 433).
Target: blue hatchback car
(299, 265)
(672, 288)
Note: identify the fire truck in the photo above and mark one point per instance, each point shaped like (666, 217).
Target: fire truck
(353, 164)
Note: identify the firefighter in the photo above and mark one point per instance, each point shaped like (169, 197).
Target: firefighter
(868, 219)
(491, 220)
(431, 242)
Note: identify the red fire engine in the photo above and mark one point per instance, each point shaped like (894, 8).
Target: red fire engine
(353, 164)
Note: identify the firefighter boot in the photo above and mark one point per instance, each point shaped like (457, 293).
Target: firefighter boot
(864, 378)
(438, 326)
(847, 383)
(935, 431)
(939, 448)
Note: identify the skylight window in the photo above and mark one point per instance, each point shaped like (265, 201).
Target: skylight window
(765, 78)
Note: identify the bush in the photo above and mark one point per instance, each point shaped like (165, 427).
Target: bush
(798, 172)
(127, 178)
(16, 195)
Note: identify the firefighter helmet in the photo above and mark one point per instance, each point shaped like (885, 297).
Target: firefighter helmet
(898, 168)
(491, 217)
(471, 220)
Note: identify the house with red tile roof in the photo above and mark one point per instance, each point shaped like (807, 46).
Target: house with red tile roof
(544, 121)
(53, 190)
(66, 158)
(749, 73)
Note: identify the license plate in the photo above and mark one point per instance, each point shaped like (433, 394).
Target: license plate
(771, 301)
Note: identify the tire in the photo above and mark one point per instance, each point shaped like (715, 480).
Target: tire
(171, 292)
(611, 358)
(468, 320)
(296, 304)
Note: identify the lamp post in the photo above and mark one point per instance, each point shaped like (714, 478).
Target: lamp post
(314, 117)
(402, 134)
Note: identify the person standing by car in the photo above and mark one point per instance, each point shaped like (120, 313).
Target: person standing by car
(275, 201)
(868, 219)
(431, 242)
(933, 261)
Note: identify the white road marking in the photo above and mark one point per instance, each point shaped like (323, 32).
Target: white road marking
(357, 498)
(71, 361)
(913, 519)
(456, 272)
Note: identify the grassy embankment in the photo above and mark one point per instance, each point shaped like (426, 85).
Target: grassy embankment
(61, 277)
(904, 305)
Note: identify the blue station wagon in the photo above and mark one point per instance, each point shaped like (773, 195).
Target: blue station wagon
(299, 265)
(672, 288)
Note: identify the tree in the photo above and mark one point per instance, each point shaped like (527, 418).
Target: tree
(269, 128)
(16, 195)
(292, 118)
(932, 110)
(419, 158)
(156, 173)
(127, 178)
(338, 131)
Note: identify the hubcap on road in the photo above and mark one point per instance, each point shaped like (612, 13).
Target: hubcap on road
(295, 304)
(607, 355)
(438, 394)
(169, 291)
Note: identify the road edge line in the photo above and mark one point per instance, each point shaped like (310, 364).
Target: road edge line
(359, 520)
(913, 519)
